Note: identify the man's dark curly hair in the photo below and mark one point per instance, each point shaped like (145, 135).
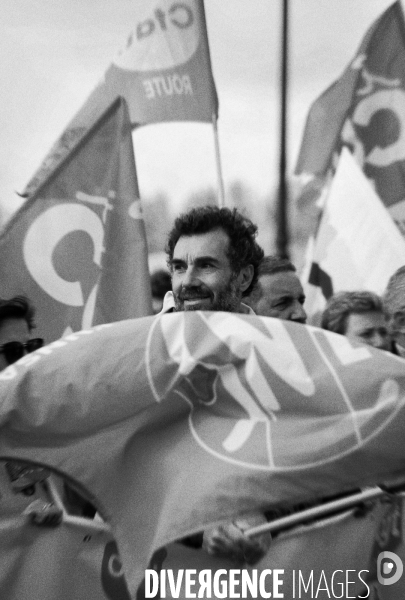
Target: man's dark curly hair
(18, 307)
(243, 248)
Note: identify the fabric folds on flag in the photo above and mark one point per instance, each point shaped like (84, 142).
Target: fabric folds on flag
(313, 567)
(65, 562)
(364, 111)
(77, 248)
(173, 423)
(357, 246)
(163, 72)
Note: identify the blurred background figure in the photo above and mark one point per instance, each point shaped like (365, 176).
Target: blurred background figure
(359, 316)
(278, 292)
(23, 487)
(161, 283)
(394, 307)
(16, 324)
(28, 481)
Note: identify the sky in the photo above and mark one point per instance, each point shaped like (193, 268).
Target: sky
(55, 52)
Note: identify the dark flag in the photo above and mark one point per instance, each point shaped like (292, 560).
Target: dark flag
(364, 110)
(77, 248)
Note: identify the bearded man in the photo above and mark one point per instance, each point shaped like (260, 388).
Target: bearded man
(214, 258)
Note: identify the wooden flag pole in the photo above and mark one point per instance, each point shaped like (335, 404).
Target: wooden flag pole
(221, 190)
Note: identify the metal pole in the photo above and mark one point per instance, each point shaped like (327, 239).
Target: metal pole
(282, 240)
(221, 190)
(317, 512)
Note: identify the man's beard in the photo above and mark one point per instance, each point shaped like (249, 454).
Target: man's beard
(227, 299)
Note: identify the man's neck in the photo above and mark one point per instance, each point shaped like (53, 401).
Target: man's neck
(169, 306)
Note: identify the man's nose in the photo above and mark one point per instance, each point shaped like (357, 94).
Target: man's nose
(299, 313)
(190, 277)
(379, 340)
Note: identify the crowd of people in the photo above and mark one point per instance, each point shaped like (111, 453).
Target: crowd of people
(216, 264)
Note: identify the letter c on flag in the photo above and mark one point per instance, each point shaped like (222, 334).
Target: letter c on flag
(393, 100)
(41, 239)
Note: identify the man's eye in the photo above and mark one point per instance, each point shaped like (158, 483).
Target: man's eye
(281, 304)
(178, 268)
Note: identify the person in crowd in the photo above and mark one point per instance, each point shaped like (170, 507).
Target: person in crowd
(359, 316)
(16, 324)
(278, 292)
(161, 283)
(214, 258)
(27, 483)
(394, 308)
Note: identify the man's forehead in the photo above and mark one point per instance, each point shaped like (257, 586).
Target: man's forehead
(214, 244)
(366, 319)
(285, 283)
(13, 329)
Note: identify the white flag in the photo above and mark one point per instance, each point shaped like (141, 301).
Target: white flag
(358, 246)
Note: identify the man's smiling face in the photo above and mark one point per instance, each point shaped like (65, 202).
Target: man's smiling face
(202, 276)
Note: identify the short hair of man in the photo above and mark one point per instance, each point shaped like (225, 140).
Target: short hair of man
(243, 248)
(274, 264)
(18, 307)
(340, 306)
(394, 295)
(269, 265)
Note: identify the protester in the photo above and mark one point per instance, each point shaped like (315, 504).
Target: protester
(16, 324)
(358, 316)
(26, 481)
(394, 307)
(278, 292)
(213, 258)
(161, 283)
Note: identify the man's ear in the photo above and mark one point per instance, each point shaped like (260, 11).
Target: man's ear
(398, 321)
(245, 277)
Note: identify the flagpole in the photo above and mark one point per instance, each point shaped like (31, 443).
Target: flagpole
(221, 190)
(318, 512)
(282, 240)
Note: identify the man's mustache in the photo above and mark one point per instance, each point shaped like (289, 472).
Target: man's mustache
(191, 293)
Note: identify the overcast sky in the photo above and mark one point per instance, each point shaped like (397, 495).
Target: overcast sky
(55, 51)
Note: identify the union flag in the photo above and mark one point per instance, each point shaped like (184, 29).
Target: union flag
(77, 248)
(363, 110)
(163, 71)
(177, 422)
